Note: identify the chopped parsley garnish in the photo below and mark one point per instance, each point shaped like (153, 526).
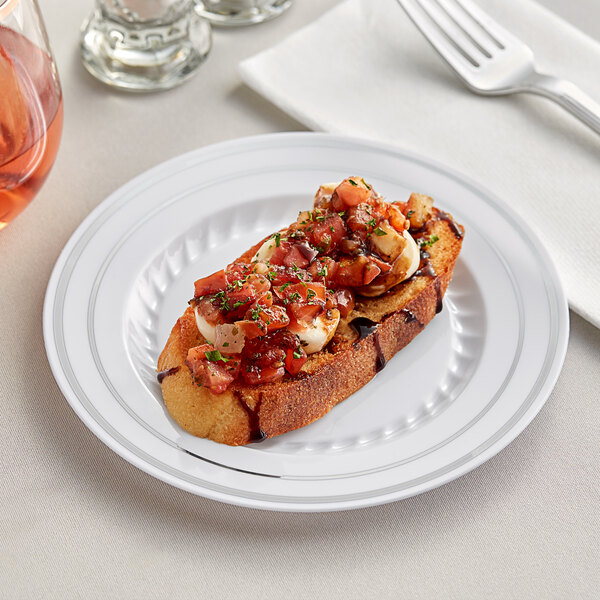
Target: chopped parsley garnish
(281, 288)
(371, 223)
(310, 294)
(429, 242)
(365, 183)
(323, 271)
(332, 229)
(271, 275)
(379, 231)
(222, 299)
(316, 215)
(215, 355)
(255, 314)
(294, 296)
(353, 182)
(225, 344)
(297, 353)
(277, 237)
(409, 214)
(342, 213)
(240, 303)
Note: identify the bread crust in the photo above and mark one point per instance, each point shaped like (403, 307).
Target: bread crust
(245, 413)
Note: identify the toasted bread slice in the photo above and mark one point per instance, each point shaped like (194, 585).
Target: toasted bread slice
(364, 342)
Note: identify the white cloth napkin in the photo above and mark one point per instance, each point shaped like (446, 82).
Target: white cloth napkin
(364, 69)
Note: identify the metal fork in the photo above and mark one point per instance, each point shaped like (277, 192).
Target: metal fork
(489, 59)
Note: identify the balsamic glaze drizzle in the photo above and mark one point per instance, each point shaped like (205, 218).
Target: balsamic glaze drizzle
(162, 374)
(438, 291)
(365, 327)
(380, 360)
(256, 433)
(443, 216)
(409, 317)
(425, 266)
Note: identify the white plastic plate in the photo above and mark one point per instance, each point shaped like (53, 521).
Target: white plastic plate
(459, 393)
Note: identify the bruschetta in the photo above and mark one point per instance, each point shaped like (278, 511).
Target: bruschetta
(309, 315)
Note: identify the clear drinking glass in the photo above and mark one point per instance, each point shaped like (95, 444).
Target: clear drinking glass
(144, 45)
(241, 12)
(31, 108)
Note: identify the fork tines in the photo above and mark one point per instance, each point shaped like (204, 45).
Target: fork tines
(458, 29)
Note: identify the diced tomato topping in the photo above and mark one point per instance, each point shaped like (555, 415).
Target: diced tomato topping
(237, 271)
(294, 258)
(282, 247)
(304, 313)
(274, 317)
(328, 233)
(266, 359)
(380, 264)
(280, 275)
(401, 206)
(294, 359)
(359, 271)
(350, 273)
(323, 269)
(251, 329)
(345, 301)
(299, 255)
(256, 375)
(317, 288)
(243, 293)
(266, 300)
(260, 321)
(262, 360)
(311, 291)
(259, 283)
(211, 284)
(361, 219)
(210, 369)
(209, 309)
(350, 192)
(396, 218)
(371, 271)
(259, 306)
(329, 300)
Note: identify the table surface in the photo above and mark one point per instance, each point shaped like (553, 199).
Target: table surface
(78, 521)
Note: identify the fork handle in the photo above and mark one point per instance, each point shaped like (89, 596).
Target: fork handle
(569, 96)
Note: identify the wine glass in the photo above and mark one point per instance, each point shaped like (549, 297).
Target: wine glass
(31, 110)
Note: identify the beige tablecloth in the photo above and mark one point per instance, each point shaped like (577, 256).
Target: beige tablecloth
(79, 522)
